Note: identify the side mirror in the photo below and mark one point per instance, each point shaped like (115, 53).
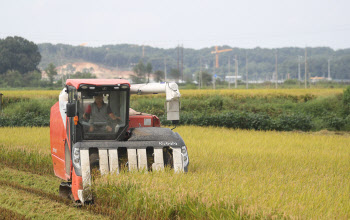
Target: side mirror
(70, 109)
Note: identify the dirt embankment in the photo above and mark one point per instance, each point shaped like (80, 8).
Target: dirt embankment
(99, 71)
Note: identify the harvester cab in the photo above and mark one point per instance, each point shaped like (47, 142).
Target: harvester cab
(92, 126)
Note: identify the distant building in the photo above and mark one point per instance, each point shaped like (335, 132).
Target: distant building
(318, 79)
(232, 78)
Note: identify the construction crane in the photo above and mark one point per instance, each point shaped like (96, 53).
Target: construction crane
(216, 52)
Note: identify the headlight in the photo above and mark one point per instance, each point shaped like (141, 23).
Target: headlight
(185, 155)
(76, 157)
(76, 160)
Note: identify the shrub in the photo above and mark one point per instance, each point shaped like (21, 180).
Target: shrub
(321, 106)
(34, 112)
(334, 122)
(291, 82)
(36, 106)
(293, 122)
(346, 101)
(216, 102)
(27, 119)
(245, 120)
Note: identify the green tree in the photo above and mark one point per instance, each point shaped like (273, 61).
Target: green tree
(175, 74)
(19, 54)
(83, 75)
(51, 72)
(140, 72)
(159, 76)
(69, 70)
(206, 78)
(148, 71)
(13, 78)
(32, 78)
(188, 77)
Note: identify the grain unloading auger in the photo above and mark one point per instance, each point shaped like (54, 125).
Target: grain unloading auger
(92, 126)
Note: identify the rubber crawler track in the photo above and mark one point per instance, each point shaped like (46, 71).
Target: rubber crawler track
(7, 214)
(95, 209)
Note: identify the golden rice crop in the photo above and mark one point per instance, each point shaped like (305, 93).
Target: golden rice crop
(299, 94)
(29, 139)
(262, 92)
(294, 174)
(31, 93)
(194, 92)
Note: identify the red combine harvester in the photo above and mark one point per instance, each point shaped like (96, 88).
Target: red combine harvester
(92, 126)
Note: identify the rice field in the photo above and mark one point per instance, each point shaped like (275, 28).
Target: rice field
(35, 139)
(29, 94)
(193, 92)
(263, 92)
(232, 174)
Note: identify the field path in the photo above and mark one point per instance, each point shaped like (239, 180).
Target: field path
(34, 196)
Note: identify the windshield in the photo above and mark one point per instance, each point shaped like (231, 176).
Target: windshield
(102, 114)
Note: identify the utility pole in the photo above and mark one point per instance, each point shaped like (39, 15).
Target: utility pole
(164, 69)
(214, 75)
(329, 69)
(182, 62)
(305, 68)
(236, 70)
(276, 70)
(299, 78)
(143, 51)
(229, 70)
(246, 70)
(178, 58)
(200, 73)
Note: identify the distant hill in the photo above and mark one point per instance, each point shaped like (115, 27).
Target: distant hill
(115, 60)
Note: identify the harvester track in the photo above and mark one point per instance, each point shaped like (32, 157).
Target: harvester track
(94, 209)
(37, 192)
(7, 214)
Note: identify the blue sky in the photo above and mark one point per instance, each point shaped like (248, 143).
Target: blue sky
(195, 24)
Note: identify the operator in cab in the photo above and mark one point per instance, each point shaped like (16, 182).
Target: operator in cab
(99, 113)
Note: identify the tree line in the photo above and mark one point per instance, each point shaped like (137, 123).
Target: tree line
(261, 61)
(22, 62)
(19, 61)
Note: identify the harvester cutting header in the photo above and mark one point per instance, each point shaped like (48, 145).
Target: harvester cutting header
(92, 126)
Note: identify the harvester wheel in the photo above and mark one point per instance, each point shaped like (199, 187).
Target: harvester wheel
(65, 190)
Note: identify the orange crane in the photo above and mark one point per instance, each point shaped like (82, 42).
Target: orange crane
(217, 54)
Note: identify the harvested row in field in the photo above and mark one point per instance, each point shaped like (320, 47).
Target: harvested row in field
(28, 203)
(45, 183)
(7, 214)
(47, 187)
